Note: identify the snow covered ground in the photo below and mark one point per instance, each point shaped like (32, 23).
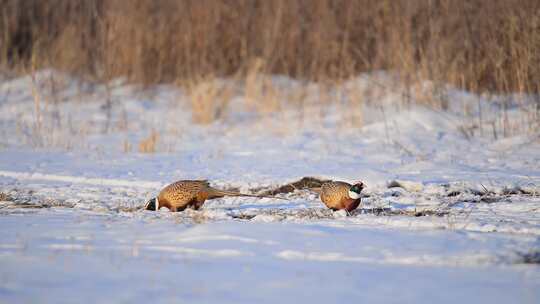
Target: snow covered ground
(451, 213)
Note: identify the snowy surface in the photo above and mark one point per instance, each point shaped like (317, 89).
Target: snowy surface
(79, 256)
(72, 183)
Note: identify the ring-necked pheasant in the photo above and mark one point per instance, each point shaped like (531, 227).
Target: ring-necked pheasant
(190, 194)
(341, 195)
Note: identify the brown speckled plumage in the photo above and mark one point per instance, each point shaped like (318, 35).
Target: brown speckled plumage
(191, 194)
(335, 195)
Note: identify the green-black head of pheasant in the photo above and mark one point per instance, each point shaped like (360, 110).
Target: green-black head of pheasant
(355, 190)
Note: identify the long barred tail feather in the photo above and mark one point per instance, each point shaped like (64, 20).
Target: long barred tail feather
(221, 193)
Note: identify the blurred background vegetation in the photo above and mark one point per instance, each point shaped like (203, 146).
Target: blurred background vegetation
(476, 45)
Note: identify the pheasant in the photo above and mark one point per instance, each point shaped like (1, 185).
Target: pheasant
(189, 194)
(341, 195)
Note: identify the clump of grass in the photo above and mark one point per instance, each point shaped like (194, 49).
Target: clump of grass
(5, 197)
(126, 146)
(209, 99)
(530, 257)
(149, 144)
(260, 92)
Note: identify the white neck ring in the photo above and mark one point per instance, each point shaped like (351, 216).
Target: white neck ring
(354, 195)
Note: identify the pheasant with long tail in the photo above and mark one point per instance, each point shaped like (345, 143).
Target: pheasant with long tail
(190, 194)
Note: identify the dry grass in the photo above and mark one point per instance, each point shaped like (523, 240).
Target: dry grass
(37, 129)
(5, 197)
(477, 45)
(259, 90)
(481, 46)
(126, 146)
(147, 145)
(209, 99)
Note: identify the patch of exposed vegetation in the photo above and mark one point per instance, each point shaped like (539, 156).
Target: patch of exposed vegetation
(531, 257)
(5, 197)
